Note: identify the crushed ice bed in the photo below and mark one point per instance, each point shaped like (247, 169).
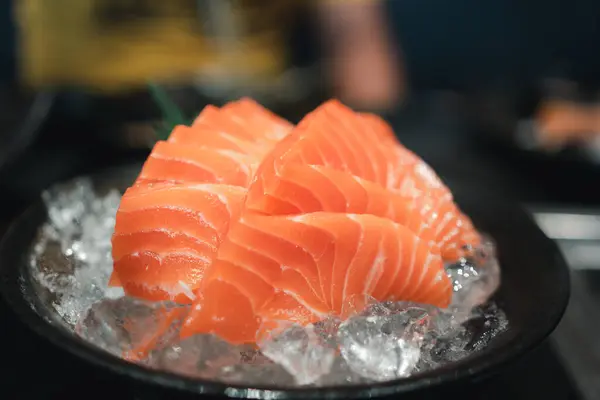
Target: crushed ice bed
(71, 264)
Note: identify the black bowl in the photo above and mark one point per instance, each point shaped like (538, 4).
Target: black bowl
(534, 293)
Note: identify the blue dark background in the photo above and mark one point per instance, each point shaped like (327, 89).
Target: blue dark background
(457, 43)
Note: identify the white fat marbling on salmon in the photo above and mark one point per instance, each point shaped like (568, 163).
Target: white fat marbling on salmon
(301, 300)
(446, 219)
(412, 262)
(424, 271)
(345, 131)
(185, 289)
(376, 270)
(372, 153)
(359, 245)
(302, 218)
(181, 252)
(264, 251)
(278, 132)
(199, 216)
(424, 171)
(187, 161)
(246, 145)
(243, 160)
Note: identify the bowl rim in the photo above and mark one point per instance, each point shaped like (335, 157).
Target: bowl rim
(17, 290)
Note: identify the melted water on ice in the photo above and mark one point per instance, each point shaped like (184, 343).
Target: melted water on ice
(71, 261)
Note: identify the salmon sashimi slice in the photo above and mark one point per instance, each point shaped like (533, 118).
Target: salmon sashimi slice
(407, 173)
(307, 172)
(302, 268)
(413, 177)
(178, 163)
(211, 138)
(268, 125)
(167, 234)
(245, 119)
(311, 188)
(222, 146)
(214, 118)
(362, 145)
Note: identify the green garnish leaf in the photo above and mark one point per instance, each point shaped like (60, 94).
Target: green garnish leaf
(171, 113)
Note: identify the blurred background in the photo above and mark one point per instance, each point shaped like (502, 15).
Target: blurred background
(523, 75)
(498, 95)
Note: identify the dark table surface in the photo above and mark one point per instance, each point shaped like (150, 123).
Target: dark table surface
(35, 369)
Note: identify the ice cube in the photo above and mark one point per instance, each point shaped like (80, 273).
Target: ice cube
(326, 330)
(97, 227)
(342, 374)
(131, 328)
(358, 304)
(485, 325)
(446, 321)
(454, 336)
(68, 203)
(366, 305)
(441, 349)
(199, 355)
(250, 374)
(473, 281)
(72, 257)
(208, 357)
(107, 204)
(383, 347)
(75, 291)
(300, 350)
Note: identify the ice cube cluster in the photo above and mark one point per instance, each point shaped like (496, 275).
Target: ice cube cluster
(72, 255)
(71, 262)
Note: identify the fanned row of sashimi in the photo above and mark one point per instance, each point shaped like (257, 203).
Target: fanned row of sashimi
(253, 220)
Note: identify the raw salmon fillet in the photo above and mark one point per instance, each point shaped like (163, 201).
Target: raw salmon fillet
(340, 161)
(222, 146)
(175, 162)
(167, 234)
(305, 267)
(269, 126)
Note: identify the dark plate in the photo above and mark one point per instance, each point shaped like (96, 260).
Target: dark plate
(534, 294)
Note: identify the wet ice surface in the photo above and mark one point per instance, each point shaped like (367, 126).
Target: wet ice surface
(71, 262)
(72, 256)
